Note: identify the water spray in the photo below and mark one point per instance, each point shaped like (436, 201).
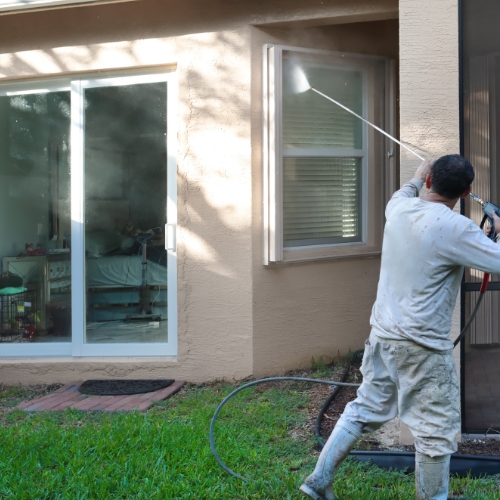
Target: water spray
(367, 122)
(302, 85)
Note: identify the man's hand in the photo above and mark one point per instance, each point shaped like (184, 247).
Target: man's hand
(424, 170)
(496, 221)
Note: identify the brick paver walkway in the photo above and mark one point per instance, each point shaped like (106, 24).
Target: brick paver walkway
(68, 396)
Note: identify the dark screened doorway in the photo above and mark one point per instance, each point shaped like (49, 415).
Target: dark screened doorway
(481, 113)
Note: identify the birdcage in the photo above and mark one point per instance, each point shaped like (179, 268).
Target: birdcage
(19, 316)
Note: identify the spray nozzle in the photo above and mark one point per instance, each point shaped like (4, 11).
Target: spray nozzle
(476, 198)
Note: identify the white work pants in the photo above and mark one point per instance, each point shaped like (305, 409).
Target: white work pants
(419, 384)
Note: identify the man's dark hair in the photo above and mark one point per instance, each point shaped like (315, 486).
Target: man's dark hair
(451, 176)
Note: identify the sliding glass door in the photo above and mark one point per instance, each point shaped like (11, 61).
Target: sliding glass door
(110, 218)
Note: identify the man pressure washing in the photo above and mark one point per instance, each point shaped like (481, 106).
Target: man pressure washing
(408, 368)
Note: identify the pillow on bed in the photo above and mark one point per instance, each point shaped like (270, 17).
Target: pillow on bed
(99, 243)
(127, 243)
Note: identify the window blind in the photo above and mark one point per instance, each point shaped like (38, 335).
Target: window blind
(322, 194)
(309, 121)
(321, 201)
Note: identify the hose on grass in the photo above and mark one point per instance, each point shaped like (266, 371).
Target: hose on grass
(250, 384)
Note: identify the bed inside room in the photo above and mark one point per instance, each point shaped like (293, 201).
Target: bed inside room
(125, 190)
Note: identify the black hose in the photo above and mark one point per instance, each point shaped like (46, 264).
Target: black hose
(472, 316)
(256, 382)
(326, 405)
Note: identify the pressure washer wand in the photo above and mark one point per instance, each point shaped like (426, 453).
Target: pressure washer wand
(369, 123)
(476, 198)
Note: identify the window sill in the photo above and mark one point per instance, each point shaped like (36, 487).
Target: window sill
(335, 252)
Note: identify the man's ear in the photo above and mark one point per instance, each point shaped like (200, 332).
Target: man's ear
(466, 192)
(428, 181)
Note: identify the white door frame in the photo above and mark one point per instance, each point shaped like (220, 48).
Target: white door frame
(77, 347)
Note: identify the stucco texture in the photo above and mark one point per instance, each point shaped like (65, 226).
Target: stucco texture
(236, 318)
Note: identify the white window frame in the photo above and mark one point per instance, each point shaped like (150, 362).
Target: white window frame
(77, 346)
(273, 154)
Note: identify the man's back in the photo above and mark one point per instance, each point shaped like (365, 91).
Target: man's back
(425, 248)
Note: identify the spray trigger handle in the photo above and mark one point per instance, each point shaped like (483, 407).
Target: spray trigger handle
(493, 233)
(489, 209)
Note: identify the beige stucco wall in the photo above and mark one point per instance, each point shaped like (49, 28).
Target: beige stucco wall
(429, 91)
(235, 318)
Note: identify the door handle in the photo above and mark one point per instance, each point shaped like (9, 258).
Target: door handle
(171, 237)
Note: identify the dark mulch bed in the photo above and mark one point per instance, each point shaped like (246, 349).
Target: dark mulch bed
(489, 447)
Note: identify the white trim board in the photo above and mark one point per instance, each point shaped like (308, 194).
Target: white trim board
(23, 5)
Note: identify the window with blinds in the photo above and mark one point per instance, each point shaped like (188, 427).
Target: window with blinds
(325, 172)
(322, 157)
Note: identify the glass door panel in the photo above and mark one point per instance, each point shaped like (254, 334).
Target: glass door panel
(35, 221)
(125, 172)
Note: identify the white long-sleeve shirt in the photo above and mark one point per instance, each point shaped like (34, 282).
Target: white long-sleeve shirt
(426, 246)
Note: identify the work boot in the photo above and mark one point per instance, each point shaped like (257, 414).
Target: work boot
(432, 477)
(319, 484)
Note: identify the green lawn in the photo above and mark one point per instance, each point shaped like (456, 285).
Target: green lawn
(164, 453)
